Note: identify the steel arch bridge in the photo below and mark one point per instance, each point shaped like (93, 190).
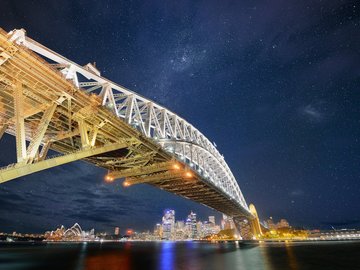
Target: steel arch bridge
(49, 102)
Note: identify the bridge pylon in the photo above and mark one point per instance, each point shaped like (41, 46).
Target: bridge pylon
(248, 227)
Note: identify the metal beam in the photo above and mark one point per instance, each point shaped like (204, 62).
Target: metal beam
(19, 170)
(40, 132)
(3, 129)
(83, 134)
(129, 109)
(65, 134)
(132, 160)
(19, 122)
(137, 171)
(148, 119)
(166, 176)
(44, 150)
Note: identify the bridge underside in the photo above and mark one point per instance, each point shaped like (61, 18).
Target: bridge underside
(44, 110)
(177, 178)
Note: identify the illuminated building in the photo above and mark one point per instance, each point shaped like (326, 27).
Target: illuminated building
(180, 225)
(271, 224)
(168, 224)
(75, 233)
(341, 235)
(216, 229)
(158, 230)
(188, 227)
(180, 230)
(227, 223)
(207, 228)
(282, 224)
(193, 225)
(199, 229)
(117, 231)
(191, 228)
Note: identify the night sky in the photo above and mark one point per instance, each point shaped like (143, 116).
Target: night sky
(275, 84)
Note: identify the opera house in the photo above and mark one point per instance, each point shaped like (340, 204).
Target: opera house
(75, 233)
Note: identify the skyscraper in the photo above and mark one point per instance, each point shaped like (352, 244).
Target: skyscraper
(282, 224)
(188, 227)
(117, 231)
(199, 229)
(227, 223)
(168, 224)
(179, 225)
(192, 218)
(158, 230)
(271, 224)
(212, 219)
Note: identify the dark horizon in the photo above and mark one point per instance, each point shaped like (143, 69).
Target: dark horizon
(274, 85)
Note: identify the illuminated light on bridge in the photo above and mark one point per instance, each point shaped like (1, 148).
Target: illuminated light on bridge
(109, 178)
(49, 102)
(126, 184)
(176, 167)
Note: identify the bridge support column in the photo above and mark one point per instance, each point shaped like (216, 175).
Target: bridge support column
(34, 145)
(19, 122)
(243, 227)
(248, 228)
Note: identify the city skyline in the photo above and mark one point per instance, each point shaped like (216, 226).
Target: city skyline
(188, 228)
(168, 215)
(281, 105)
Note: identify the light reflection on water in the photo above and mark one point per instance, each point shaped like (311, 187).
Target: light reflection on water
(179, 255)
(291, 257)
(166, 256)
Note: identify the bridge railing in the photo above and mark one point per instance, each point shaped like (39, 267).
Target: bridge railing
(175, 134)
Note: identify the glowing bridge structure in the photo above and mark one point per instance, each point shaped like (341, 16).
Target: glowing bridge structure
(49, 102)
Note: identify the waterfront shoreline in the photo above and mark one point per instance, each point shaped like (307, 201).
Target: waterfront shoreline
(241, 242)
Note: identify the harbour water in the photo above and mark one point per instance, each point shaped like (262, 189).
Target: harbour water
(180, 255)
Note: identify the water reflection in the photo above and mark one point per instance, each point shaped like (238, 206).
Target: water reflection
(166, 256)
(82, 255)
(108, 261)
(291, 257)
(175, 255)
(276, 255)
(248, 257)
(105, 256)
(265, 256)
